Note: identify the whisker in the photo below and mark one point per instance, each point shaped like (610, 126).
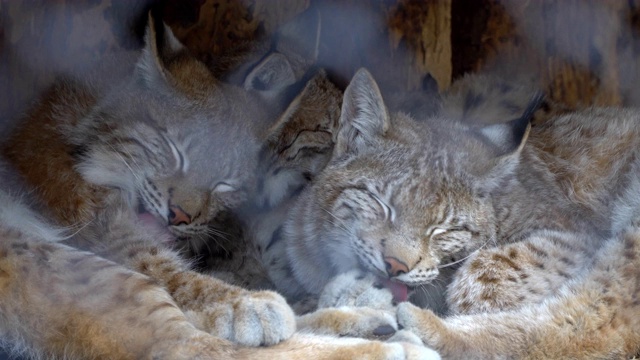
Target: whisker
(216, 241)
(131, 157)
(212, 232)
(125, 162)
(337, 224)
(195, 241)
(75, 228)
(217, 231)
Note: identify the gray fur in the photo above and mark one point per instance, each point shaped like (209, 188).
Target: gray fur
(535, 217)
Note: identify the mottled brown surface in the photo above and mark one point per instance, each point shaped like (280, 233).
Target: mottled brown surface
(583, 51)
(47, 160)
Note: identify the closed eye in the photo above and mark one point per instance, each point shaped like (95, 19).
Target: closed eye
(182, 163)
(223, 187)
(438, 231)
(389, 213)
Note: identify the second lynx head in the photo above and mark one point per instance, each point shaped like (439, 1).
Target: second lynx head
(176, 141)
(401, 197)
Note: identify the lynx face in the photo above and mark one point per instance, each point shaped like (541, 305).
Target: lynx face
(402, 226)
(402, 198)
(180, 145)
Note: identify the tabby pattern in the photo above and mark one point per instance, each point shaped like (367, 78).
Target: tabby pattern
(129, 169)
(541, 222)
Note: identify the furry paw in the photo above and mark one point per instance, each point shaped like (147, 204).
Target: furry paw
(355, 288)
(250, 319)
(202, 346)
(417, 352)
(423, 323)
(349, 321)
(406, 336)
(411, 351)
(309, 346)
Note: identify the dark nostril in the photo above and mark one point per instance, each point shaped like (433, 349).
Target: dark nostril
(177, 216)
(395, 267)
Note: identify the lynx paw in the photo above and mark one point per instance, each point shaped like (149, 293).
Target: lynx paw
(197, 347)
(349, 321)
(355, 288)
(412, 351)
(250, 319)
(417, 352)
(309, 346)
(423, 323)
(406, 336)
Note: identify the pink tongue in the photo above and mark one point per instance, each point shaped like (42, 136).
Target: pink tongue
(399, 291)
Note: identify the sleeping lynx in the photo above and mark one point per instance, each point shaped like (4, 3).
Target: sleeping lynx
(132, 169)
(545, 223)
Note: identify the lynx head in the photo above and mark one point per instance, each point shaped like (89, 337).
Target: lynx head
(177, 142)
(403, 197)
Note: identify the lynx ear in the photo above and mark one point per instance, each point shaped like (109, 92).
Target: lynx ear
(364, 115)
(508, 138)
(511, 136)
(295, 51)
(272, 74)
(160, 46)
(299, 41)
(301, 141)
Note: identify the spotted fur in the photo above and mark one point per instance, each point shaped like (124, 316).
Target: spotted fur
(59, 302)
(542, 222)
(172, 140)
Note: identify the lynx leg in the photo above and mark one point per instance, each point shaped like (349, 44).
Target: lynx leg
(351, 305)
(592, 317)
(349, 321)
(60, 302)
(251, 318)
(230, 312)
(307, 346)
(516, 275)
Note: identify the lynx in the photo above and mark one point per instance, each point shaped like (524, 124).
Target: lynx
(540, 227)
(60, 302)
(128, 170)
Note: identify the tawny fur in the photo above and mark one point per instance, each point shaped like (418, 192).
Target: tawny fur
(169, 135)
(540, 224)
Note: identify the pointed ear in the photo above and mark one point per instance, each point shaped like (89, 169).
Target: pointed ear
(364, 115)
(309, 123)
(299, 41)
(509, 139)
(511, 136)
(271, 75)
(160, 46)
(299, 144)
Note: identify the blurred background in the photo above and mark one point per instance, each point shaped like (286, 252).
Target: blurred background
(581, 52)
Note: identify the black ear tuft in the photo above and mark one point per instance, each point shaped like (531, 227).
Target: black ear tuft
(160, 45)
(534, 104)
(510, 136)
(429, 84)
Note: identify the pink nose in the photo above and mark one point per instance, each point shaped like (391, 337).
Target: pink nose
(177, 216)
(395, 267)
